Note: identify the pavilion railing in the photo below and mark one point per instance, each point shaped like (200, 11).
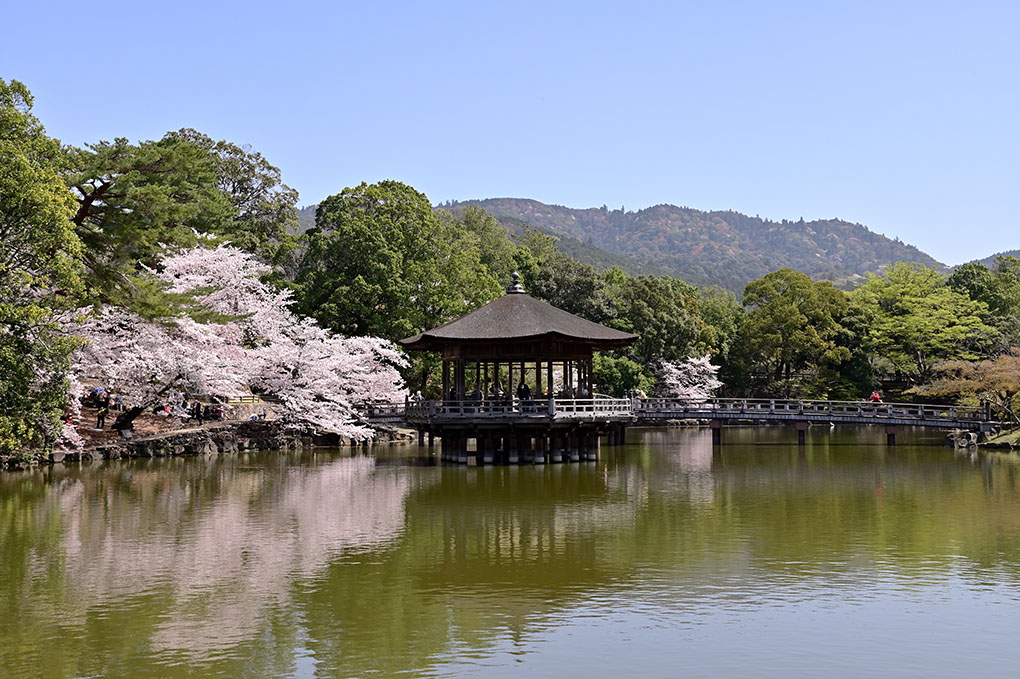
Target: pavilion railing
(555, 408)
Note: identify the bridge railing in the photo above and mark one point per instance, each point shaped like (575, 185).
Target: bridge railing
(382, 411)
(556, 408)
(840, 409)
(664, 408)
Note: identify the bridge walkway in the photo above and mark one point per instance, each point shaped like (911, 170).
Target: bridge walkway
(657, 410)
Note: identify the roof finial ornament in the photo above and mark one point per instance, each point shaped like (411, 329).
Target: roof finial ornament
(515, 286)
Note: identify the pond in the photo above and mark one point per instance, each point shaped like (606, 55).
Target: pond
(665, 558)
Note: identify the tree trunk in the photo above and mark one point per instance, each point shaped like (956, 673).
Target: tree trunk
(126, 419)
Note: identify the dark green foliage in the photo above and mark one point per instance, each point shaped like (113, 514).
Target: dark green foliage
(40, 275)
(135, 199)
(722, 314)
(381, 262)
(263, 214)
(619, 375)
(578, 288)
(792, 340)
(664, 312)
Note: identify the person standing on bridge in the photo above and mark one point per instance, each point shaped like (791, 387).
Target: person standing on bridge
(876, 397)
(523, 391)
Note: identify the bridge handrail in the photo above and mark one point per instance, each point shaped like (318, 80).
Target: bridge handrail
(809, 407)
(601, 406)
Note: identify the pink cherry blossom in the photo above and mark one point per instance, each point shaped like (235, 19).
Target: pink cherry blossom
(257, 343)
(693, 379)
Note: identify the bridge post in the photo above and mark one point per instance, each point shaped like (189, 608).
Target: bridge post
(555, 447)
(421, 437)
(487, 448)
(512, 455)
(716, 426)
(432, 438)
(801, 433)
(540, 439)
(890, 434)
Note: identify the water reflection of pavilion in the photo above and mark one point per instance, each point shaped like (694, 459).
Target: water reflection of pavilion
(517, 381)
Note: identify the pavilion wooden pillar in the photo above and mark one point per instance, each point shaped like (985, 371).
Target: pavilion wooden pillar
(458, 378)
(538, 378)
(549, 374)
(446, 379)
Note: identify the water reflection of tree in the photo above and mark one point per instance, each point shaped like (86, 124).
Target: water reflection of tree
(189, 558)
(389, 569)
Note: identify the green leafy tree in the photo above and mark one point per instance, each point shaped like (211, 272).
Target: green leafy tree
(619, 375)
(131, 198)
(663, 312)
(569, 285)
(39, 275)
(999, 289)
(134, 199)
(722, 313)
(497, 251)
(792, 330)
(915, 320)
(264, 213)
(380, 262)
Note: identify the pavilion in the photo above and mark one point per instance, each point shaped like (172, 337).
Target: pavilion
(517, 379)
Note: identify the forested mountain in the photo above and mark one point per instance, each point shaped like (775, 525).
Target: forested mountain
(704, 248)
(989, 261)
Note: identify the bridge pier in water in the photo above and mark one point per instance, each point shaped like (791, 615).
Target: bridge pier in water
(522, 446)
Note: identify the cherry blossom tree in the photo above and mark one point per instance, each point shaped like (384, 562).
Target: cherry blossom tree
(236, 333)
(693, 379)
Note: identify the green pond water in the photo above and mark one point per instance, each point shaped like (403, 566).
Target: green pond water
(665, 558)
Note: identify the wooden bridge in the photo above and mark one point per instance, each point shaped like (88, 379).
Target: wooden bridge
(658, 410)
(832, 412)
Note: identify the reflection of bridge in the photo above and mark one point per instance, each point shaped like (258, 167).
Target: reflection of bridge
(613, 414)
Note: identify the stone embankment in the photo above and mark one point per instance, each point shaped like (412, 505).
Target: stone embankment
(211, 439)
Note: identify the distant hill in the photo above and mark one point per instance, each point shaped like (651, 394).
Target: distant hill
(705, 248)
(989, 261)
(306, 217)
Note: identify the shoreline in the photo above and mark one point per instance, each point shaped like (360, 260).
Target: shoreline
(215, 438)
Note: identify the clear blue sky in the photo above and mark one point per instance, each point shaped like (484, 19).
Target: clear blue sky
(900, 115)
